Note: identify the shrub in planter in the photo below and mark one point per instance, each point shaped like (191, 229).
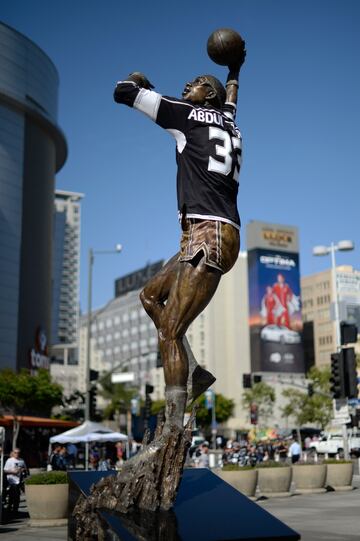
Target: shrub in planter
(274, 478)
(243, 478)
(339, 474)
(47, 498)
(309, 478)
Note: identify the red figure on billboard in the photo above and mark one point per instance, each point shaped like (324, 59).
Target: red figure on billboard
(268, 305)
(284, 293)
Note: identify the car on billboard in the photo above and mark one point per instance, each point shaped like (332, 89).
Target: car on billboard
(281, 334)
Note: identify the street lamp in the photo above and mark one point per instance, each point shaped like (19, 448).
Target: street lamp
(343, 245)
(118, 249)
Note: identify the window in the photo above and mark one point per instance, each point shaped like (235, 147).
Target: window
(117, 335)
(116, 320)
(108, 323)
(134, 330)
(143, 327)
(134, 314)
(125, 317)
(125, 347)
(116, 350)
(125, 333)
(108, 337)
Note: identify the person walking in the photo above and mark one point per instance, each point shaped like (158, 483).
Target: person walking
(15, 470)
(295, 451)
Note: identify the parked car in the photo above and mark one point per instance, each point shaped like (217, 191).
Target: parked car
(333, 444)
(281, 334)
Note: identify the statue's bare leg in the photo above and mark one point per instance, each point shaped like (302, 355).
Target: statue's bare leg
(173, 301)
(153, 297)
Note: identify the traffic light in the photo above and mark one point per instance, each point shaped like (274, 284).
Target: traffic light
(149, 388)
(247, 383)
(348, 333)
(310, 389)
(351, 384)
(257, 378)
(337, 380)
(93, 396)
(94, 375)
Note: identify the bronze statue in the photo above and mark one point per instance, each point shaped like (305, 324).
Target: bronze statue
(209, 157)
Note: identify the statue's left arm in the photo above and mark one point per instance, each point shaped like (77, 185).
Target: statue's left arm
(232, 82)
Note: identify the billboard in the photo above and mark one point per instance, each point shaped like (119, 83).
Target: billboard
(274, 299)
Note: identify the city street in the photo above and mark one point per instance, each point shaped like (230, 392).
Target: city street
(333, 516)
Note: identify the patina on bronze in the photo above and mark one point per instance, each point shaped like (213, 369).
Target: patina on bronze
(173, 298)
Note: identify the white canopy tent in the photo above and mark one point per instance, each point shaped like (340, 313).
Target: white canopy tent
(89, 432)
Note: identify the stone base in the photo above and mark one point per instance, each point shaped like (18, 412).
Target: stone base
(206, 509)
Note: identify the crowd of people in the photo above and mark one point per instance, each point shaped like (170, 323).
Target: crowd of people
(246, 453)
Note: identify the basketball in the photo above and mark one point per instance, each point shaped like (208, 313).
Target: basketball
(225, 47)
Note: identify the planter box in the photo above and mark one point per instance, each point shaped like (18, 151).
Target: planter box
(309, 478)
(339, 476)
(47, 504)
(244, 481)
(275, 482)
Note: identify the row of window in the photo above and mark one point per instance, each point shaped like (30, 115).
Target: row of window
(325, 340)
(323, 299)
(134, 346)
(133, 316)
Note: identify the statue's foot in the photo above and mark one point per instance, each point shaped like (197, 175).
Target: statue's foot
(201, 381)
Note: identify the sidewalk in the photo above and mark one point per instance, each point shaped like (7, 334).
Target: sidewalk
(332, 516)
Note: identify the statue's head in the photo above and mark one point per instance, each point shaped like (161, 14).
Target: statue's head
(205, 90)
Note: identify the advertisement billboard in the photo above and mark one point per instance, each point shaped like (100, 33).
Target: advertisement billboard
(274, 303)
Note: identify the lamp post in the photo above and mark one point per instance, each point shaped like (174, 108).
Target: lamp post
(118, 249)
(345, 246)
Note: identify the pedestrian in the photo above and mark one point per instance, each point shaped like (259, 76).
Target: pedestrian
(202, 460)
(58, 460)
(295, 451)
(72, 452)
(15, 470)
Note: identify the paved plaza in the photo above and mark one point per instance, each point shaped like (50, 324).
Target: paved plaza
(332, 516)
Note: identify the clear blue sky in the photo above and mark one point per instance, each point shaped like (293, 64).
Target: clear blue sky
(298, 111)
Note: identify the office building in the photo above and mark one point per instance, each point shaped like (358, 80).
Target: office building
(123, 337)
(318, 300)
(66, 267)
(32, 150)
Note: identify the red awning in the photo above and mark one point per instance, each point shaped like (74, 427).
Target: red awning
(7, 420)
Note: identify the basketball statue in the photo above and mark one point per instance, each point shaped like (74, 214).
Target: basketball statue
(208, 153)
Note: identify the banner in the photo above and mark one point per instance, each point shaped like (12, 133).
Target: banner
(275, 311)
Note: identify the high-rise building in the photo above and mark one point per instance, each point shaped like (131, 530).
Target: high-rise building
(123, 337)
(66, 267)
(318, 298)
(32, 150)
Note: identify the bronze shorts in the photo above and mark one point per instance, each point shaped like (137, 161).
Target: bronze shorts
(219, 241)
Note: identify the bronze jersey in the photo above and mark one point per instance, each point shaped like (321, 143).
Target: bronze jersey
(208, 151)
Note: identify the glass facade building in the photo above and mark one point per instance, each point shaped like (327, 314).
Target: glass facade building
(32, 150)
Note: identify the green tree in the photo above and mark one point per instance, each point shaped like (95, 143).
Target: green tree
(224, 408)
(263, 395)
(305, 409)
(22, 393)
(119, 396)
